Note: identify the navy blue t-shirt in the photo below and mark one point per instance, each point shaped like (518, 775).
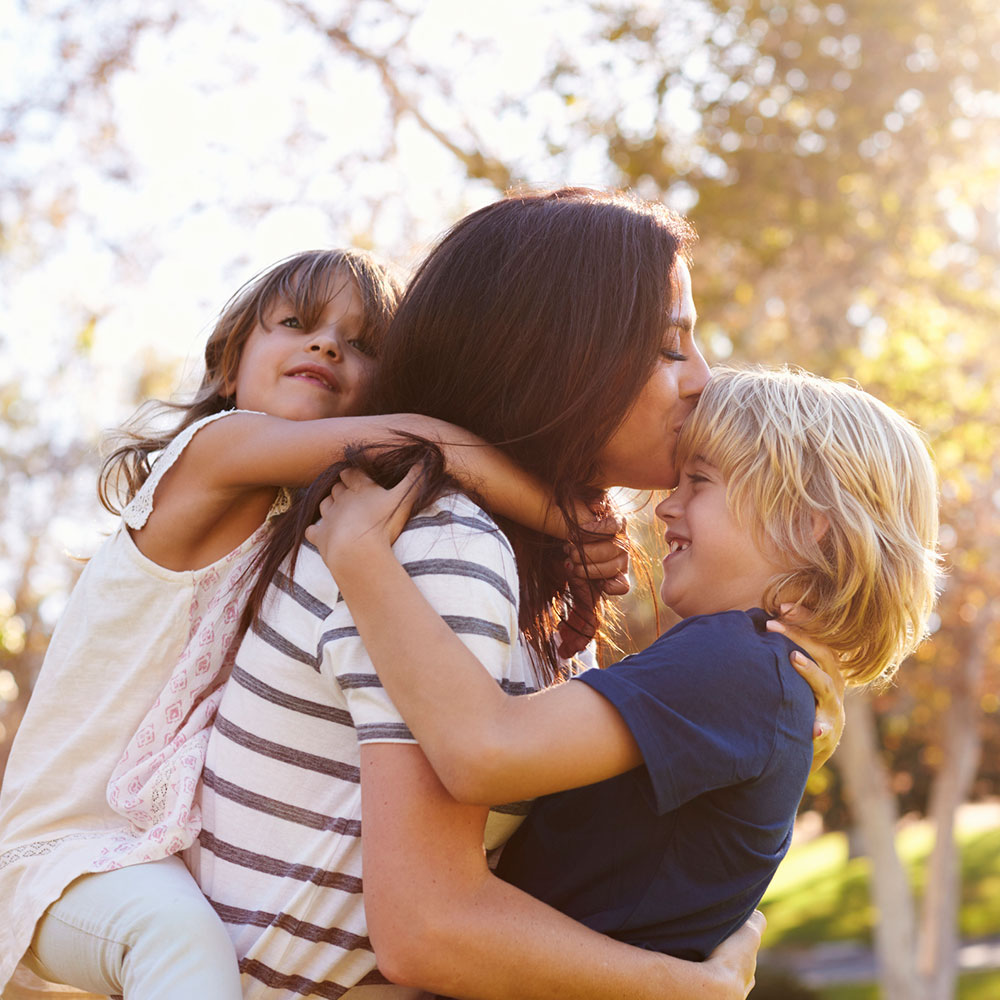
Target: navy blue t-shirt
(675, 855)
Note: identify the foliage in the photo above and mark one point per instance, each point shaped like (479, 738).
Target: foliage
(840, 160)
(820, 894)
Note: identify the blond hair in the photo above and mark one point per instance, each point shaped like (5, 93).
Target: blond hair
(843, 488)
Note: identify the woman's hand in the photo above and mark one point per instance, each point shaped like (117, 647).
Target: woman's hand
(359, 513)
(735, 960)
(823, 675)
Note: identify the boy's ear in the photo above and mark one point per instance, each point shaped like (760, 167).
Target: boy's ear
(821, 525)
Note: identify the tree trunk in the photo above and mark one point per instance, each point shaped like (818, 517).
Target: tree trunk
(873, 804)
(939, 938)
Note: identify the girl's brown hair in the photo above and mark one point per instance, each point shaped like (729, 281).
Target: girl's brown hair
(308, 281)
(535, 323)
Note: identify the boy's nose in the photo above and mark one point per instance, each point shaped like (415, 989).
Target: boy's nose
(666, 508)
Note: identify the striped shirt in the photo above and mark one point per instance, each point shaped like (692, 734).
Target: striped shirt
(279, 855)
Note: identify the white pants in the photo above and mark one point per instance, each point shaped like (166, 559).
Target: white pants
(144, 932)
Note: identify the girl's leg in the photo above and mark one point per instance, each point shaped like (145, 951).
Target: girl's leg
(144, 932)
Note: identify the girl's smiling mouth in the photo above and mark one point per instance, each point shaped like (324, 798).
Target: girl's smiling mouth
(315, 373)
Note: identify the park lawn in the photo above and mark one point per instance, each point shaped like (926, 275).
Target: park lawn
(971, 986)
(819, 895)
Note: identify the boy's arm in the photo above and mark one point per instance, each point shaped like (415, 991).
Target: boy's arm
(485, 745)
(440, 920)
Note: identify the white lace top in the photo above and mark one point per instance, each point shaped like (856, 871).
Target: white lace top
(103, 770)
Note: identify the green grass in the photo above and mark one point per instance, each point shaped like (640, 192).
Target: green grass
(971, 986)
(820, 895)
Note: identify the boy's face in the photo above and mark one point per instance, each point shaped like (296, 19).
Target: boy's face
(287, 371)
(714, 563)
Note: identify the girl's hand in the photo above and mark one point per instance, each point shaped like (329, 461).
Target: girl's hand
(823, 675)
(735, 960)
(359, 514)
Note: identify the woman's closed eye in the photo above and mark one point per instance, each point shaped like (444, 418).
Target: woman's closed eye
(671, 348)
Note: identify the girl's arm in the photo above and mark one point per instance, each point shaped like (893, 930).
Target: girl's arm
(439, 920)
(220, 488)
(485, 746)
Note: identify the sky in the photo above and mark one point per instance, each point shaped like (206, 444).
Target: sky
(227, 143)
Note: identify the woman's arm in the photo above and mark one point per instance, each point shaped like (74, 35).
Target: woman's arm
(440, 920)
(485, 745)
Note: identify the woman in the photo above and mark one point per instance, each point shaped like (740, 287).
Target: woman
(559, 327)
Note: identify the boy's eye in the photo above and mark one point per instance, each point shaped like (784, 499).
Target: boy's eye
(292, 322)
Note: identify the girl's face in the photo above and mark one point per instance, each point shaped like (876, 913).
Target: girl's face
(287, 371)
(641, 452)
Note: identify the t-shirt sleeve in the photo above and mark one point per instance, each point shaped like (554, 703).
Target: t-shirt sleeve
(702, 703)
(465, 568)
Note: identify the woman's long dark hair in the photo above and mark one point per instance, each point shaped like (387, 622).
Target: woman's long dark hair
(535, 323)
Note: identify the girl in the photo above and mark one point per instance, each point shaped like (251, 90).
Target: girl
(151, 621)
(793, 488)
(561, 328)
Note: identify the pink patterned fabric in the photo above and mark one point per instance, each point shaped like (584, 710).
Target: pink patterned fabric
(154, 783)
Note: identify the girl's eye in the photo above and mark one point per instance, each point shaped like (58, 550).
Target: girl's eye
(694, 477)
(292, 322)
(672, 355)
(362, 347)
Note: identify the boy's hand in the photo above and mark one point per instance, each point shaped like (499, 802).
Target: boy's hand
(359, 514)
(602, 558)
(823, 675)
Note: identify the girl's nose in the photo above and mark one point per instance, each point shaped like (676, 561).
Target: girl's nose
(325, 341)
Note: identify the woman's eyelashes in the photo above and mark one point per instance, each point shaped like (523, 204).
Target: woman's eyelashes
(671, 349)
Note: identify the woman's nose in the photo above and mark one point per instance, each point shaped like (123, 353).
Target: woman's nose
(696, 374)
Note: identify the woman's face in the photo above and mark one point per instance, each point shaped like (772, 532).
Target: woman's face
(641, 452)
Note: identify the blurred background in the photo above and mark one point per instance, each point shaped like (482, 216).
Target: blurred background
(841, 162)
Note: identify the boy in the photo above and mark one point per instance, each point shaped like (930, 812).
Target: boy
(794, 489)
